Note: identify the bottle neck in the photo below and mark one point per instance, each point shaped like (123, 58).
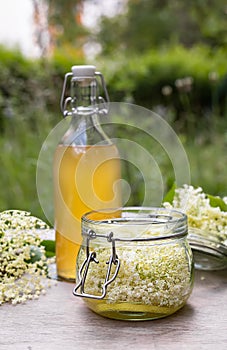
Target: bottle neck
(85, 128)
(84, 94)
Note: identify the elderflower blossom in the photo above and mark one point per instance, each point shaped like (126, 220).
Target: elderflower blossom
(150, 274)
(23, 264)
(210, 221)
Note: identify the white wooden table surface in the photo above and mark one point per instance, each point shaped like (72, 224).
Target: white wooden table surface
(60, 321)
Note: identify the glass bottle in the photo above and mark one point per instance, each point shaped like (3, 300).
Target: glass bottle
(86, 164)
(135, 263)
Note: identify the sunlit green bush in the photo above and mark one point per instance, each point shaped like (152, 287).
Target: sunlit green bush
(29, 108)
(185, 80)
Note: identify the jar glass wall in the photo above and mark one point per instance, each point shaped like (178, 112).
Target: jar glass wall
(134, 263)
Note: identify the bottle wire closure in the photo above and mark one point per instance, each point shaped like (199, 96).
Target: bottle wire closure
(95, 79)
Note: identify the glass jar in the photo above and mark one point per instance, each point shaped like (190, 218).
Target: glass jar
(134, 263)
(209, 251)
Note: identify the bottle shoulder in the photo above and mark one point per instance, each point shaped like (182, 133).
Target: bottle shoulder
(85, 131)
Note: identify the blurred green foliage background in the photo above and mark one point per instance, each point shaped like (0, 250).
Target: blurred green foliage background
(169, 57)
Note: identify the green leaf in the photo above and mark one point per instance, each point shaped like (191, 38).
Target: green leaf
(49, 247)
(35, 255)
(170, 194)
(216, 201)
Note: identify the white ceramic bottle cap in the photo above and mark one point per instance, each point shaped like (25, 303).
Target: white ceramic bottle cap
(83, 71)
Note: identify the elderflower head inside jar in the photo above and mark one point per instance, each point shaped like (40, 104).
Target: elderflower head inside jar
(134, 263)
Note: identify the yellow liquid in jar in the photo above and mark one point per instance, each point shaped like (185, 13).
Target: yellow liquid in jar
(131, 311)
(85, 178)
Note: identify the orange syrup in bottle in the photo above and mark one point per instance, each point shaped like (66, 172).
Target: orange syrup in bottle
(85, 178)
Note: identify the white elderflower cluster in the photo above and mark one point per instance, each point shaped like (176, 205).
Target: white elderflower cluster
(151, 274)
(210, 221)
(23, 264)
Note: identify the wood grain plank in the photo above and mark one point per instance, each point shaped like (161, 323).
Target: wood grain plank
(60, 321)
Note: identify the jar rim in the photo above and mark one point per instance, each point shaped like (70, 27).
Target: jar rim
(158, 216)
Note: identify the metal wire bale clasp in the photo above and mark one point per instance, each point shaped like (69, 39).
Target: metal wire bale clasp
(91, 258)
(102, 102)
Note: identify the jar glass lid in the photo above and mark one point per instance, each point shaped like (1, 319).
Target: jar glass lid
(209, 252)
